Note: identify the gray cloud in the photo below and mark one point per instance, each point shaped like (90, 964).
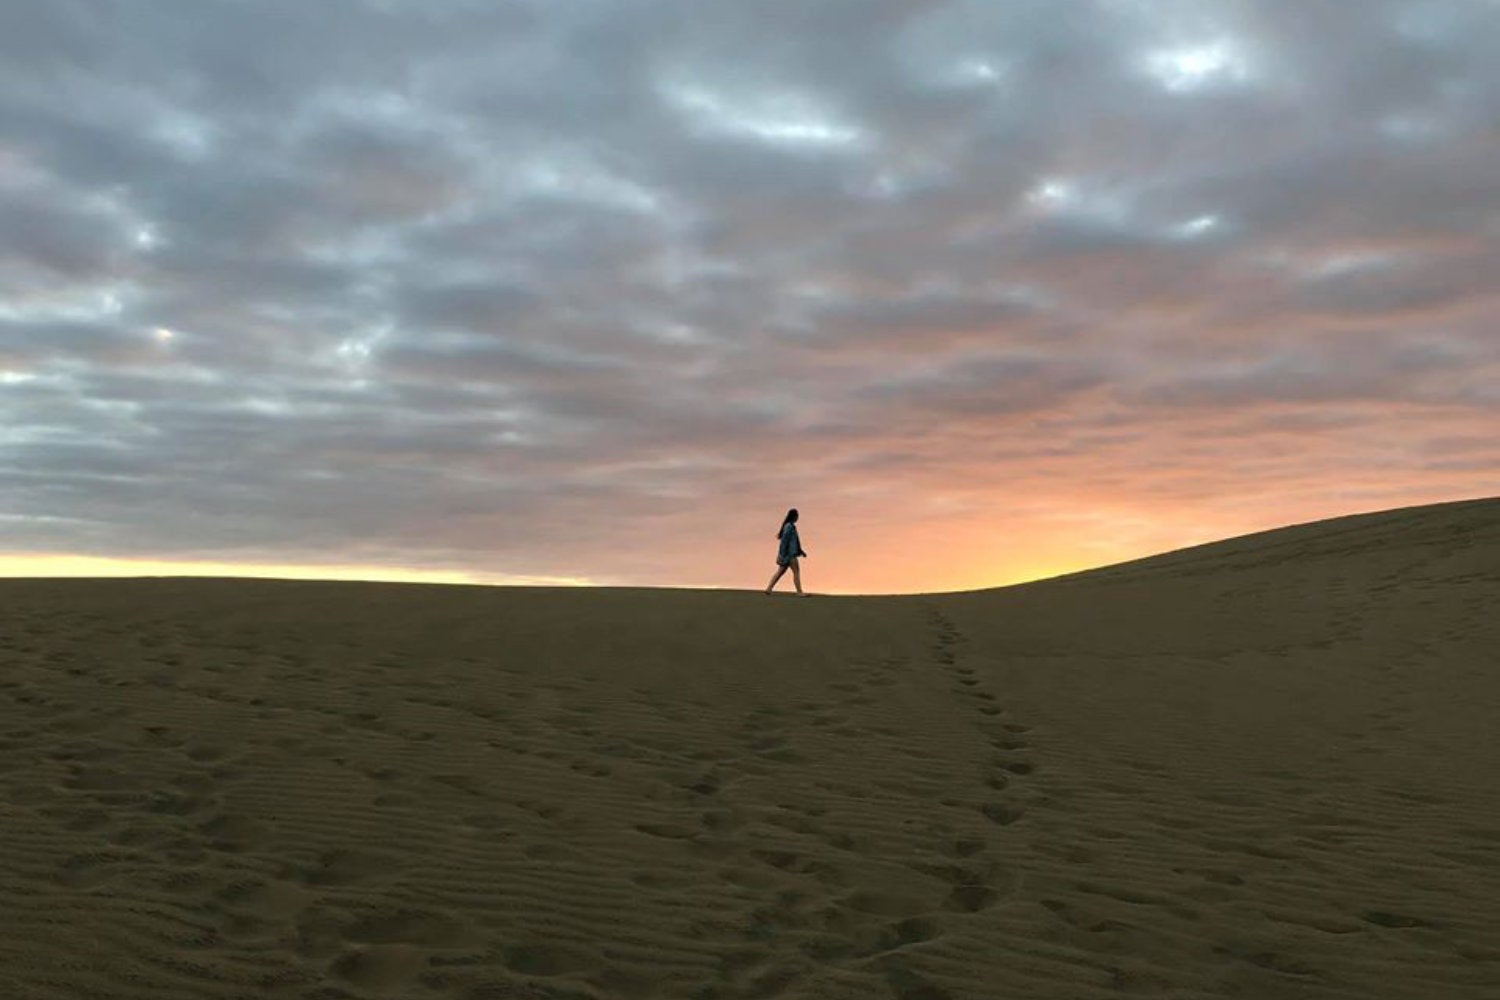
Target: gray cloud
(379, 280)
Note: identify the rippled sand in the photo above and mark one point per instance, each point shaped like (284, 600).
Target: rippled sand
(1262, 768)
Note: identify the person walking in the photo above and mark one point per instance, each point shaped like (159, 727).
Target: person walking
(788, 553)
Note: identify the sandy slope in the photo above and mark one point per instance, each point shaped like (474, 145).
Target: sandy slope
(1264, 768)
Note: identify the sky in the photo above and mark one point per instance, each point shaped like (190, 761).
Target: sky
(524, 291)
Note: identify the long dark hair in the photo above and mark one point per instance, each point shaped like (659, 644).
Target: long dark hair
(791, 518)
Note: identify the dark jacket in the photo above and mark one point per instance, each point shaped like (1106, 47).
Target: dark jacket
(791, 545)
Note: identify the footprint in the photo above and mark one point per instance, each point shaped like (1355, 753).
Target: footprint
(706, 785)
(462, 782)
(912, 930)
(965, 848)
(382, 968)
(908, 985)
(785, 860)
(233, 834)
(204, 752)
(720, 820)
(1001, 813)
(971, 889)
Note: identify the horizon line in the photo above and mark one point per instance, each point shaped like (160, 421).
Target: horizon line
(354, 573)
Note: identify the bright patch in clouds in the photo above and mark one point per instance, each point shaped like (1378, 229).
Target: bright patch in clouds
(776, 117)
(1182, 69)
(1198, 226)
(1053, 194)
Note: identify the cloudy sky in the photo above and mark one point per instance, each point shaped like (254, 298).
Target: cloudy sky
(594, 290)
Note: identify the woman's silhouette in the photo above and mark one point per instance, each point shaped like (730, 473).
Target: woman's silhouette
(786, 556)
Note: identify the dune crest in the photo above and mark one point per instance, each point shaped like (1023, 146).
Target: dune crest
(1259, 768)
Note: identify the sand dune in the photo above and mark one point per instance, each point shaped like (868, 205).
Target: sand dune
(1262, 768)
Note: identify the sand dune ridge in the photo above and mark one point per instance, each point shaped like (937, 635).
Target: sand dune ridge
(1261, 768)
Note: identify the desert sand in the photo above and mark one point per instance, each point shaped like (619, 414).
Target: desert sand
(1263, 768)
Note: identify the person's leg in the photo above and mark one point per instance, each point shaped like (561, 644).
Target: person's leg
(797, 574)
(780, 570)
